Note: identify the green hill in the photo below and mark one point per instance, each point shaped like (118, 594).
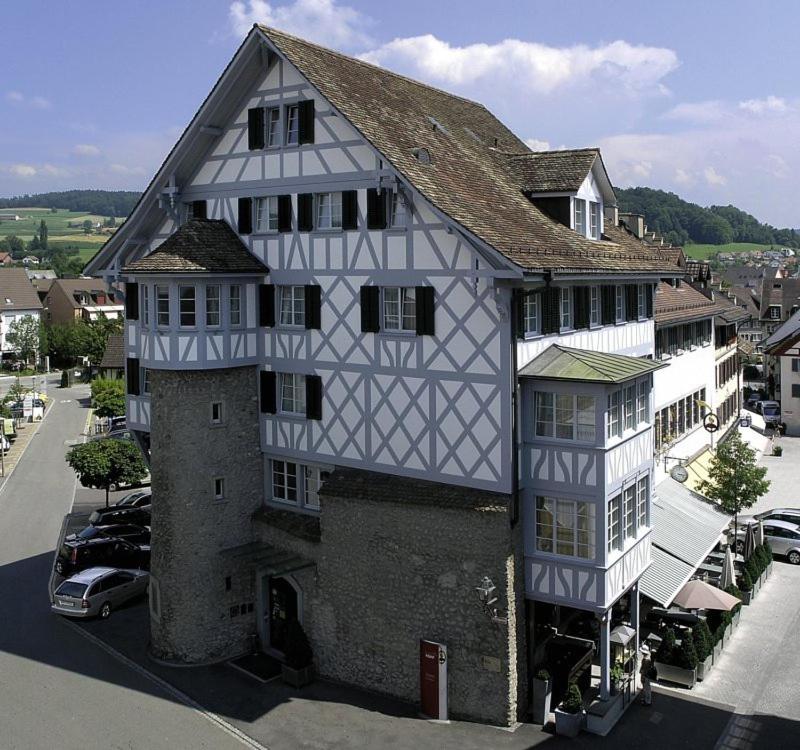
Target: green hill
(96, 202)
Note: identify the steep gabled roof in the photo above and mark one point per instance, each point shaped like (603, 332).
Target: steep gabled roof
(16, 291)
(200, 246)
(681, 303)
(114, 354)
(564, 363)
(785, 337)
(552, 171)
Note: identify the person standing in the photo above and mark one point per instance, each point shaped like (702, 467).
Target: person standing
(646, 672)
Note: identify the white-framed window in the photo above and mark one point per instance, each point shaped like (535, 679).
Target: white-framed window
(144, 375)
(329, 210)
(629, 511)
(186, 297)
(313, 478)
(594, 306)
(292, 125)
(619, 307)
(565, 527)
(580, 216)
(219, 488)
(399, 309)
(594, 220)
(397, 210)
(267, 214)
(566, 307)
(565, 416)
(297, 484)
(614, 415)
(284, 481)
(235, 304)
(216, 412)
(212, 305)
(630, 406)
(641, 299)
(293, 393)
(531, 313)
(162, 305)
(774, 312)
(614, 525)
(293, 305)
(642, 492)
(642, 401)
(272, 122)
(146, 306)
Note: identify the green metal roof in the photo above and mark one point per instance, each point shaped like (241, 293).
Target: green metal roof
(562, 363)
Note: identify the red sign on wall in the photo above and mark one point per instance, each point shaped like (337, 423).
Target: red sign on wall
(433, 679)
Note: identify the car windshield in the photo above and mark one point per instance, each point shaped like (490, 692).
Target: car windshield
(71, 588)
(771, 410)
(90, 532)
(129, 499)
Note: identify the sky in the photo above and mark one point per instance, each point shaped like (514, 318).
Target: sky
(698, 97)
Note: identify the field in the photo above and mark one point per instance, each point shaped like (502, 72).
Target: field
(59, 232)
(703, 252)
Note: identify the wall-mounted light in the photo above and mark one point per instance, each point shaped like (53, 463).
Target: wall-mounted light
(488, 600)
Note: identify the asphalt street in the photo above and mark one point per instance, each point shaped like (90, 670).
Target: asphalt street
(58, 689)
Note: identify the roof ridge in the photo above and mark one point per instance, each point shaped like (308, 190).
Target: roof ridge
(272, 30)
(586, 149)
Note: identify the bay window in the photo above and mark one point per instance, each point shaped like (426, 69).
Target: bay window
(642, 494)
(613, 521)
(212, 306)
(565, 527)
(162, 306)
(642, 401)
(614, 415)
(186, 298)
(629, 511)
(235, 304)
(565, 416)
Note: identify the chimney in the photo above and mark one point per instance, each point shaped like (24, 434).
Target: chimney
(634, 222)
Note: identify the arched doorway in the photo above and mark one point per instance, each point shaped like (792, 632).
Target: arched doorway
(283, 606)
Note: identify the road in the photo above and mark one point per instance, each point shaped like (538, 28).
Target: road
(58, 689)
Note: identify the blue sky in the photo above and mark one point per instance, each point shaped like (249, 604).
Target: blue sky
(696, 97)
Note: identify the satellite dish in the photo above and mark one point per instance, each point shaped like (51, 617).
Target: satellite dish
(679, 474)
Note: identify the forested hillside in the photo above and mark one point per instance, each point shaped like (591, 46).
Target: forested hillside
(681, 222)
(99, 202)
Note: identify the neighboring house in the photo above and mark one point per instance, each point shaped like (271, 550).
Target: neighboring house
(30, 260)
(68, 300)
(385, 361)
(780, 300)
(729, 319)
(41, 273)
(18, 298)
(782, 355)
(6, 216)
(6, 259)
(112, 366)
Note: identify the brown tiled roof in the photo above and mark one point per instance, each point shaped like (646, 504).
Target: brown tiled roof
(200, 246)
(16, 291)
(783, 292)
(71, 287)
(114, 355)
(744, 296)
(728, 310)
(551, 171)
(465, 179)
(371, 485)
(684, 302)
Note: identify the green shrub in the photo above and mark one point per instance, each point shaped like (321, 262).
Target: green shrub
(768, 553)
(298, 650)
(686, 655)
(735, 591)
(703, 641)
(543, 675)
(745, 581)
(573, 700)
(777, 450)
(667, 647)
(64, 379)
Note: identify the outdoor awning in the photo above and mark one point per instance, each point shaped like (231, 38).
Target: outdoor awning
(686, 527)
(698, 470)
(266, 558)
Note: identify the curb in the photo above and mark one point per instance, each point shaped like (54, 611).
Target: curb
(39, 424)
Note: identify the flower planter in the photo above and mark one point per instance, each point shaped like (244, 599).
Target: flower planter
(704, 667)
(297, 677)
(678, 675)
(541, 700)
(747, 597)
(569, 725)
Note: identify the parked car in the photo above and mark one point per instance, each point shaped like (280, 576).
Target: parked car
(771, 411)
(752, 401)
(78, 554)
(115, 514)
(138, 499)
(118, 434)
(782, 537)
(117, 423)
(790, 515)
(96, 591)
(128, 531)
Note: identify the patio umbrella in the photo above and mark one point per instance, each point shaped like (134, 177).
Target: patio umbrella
(698, 594)
(759, 533)
(749, 541)
(728, 575)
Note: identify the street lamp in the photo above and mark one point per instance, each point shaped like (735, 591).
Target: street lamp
(487, 600)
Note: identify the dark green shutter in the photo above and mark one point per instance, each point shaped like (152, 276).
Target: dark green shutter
(305, 212)
(376, 209)
(580, 304)
(609, 304)
(350, 209)
(518, 308)
(370, 309)
(313, 397)
(255, 128)
(305, 111)
(425, 312)
(268, 387)
(631, 302)
(551, 310)
(266, 305)
(132, 300)
(199, 210)
(245, 215)
(313, 307)
(132, 372)
(284, 213)
(648, 290)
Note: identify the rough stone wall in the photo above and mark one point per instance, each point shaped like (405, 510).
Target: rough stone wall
(390, 574)
(190, 527)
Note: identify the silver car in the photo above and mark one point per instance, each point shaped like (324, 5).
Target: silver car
(96, 591)
(783, 538)
(790, 515)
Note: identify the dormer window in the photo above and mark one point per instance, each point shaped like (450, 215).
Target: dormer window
(774, 312)
(580, 216)
(594, 220)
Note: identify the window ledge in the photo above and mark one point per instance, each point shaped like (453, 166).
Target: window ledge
(297, 523)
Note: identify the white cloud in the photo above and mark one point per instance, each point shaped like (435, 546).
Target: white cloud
(125, 170)
(22, 170)
(772, 104)
(85, 149)
(683, 177)
(713, 177)
(538, 67)
(534, 144)
(322, 21)
(777, 166)
(708, 111)
(36, 102)
(15, 96)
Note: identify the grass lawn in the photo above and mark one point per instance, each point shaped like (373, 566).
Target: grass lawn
(703, 252)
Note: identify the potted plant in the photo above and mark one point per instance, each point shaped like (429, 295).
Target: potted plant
(542, 690)
(677, 663)
(705, 649)
(746, 586)
(617, 673)
(570, 713)
(768, 557)
(298, 669)
(777, 450)
(736, 612)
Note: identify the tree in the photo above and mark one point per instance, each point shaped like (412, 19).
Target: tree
(23, 337)
(735, 480)
(43, 234)
(65, 343)
(97, 333)
(87, 226)
(101, 464)
(108, 397)
(15, 246)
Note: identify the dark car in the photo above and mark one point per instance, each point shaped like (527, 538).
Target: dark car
(128, 531)
(78, 554)
(134, 508)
